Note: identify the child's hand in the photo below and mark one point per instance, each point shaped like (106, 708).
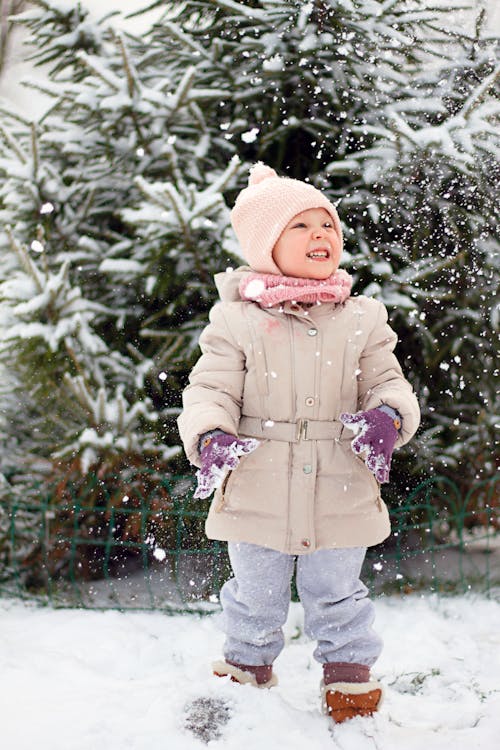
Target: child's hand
(376, 435)
(220, 453)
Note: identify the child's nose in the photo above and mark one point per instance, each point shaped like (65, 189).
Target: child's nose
(318, 232)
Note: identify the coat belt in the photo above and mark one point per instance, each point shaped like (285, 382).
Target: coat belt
(290, 432)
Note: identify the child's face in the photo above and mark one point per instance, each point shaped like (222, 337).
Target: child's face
(308, 247)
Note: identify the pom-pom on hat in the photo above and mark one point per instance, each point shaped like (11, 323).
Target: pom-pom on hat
(264, 208)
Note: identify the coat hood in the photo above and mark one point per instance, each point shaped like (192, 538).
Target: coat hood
(228, 283)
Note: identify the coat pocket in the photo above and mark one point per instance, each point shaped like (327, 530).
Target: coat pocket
(220, 497)
(372, 480)
(258, 486)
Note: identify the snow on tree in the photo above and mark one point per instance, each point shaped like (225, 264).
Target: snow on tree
(113, 220)
(296, 75)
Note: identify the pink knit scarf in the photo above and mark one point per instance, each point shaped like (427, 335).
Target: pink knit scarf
(270, 289)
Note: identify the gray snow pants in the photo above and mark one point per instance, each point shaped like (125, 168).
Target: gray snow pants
(338, 614)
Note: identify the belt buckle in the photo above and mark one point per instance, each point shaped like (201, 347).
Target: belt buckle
(302, 429)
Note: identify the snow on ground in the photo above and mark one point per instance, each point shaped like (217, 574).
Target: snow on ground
(87, 680)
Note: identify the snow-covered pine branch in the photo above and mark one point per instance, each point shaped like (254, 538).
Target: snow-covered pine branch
(114, 426)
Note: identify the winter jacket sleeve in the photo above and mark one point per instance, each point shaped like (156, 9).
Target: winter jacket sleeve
(381, 380)
(213, 398)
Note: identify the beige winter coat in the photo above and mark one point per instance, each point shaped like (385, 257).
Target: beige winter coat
(285, 375)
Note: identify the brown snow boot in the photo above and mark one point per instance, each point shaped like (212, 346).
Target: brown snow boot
(245, 674)
(355, 695)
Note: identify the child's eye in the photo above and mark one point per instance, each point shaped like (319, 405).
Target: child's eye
(299, 225)
(328, 224)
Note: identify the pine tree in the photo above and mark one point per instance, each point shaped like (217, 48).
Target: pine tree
(114, 222)
(295, 77)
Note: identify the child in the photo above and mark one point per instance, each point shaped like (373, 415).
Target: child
(291, 365)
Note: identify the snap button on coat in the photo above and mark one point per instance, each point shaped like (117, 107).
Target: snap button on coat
(309, 401)
(313, 332)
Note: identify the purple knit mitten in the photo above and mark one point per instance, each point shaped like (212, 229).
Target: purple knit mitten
(220, 453)
(376, 435)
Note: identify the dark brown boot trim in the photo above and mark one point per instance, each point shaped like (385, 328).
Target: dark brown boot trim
(340, 671)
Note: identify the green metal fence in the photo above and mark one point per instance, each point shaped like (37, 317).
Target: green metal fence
(89, 547)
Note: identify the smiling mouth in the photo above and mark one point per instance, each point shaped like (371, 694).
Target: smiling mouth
(322, 254)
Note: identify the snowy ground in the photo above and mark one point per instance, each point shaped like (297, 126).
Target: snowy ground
(86, 680)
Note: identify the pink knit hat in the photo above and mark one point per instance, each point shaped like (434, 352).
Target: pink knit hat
(264, 208)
